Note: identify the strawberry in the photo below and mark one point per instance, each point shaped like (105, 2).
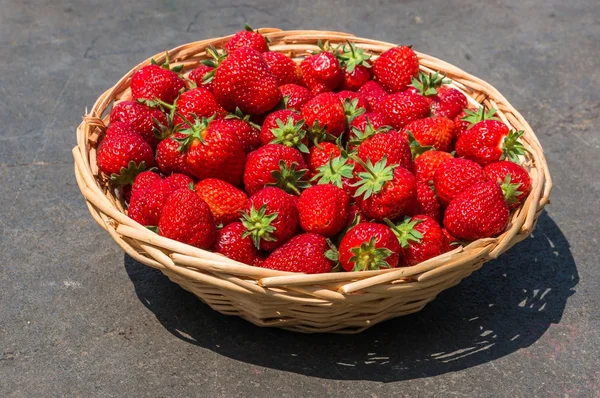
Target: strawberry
(338, 171)
(372, 91)
(478, 212)
(144, 120)
(427, 202)
(283, 67)
(395, 68)
(355, 216)
(427, 163)
(143, 181)
(347, 96)
(295, 96)
(356, 65)
(320, 155)
(155, 196)
(490, 141)
(444, 100)
(451, 242)
(198, 102)
(470, 117)
(392, 145)
(436, 132)
(385, 190)
(303, 253)
(212, 152)
(140, 186)
(369, 246)
(202, 76)
(514, 178)
(270, 218)
(243, 80)
(365, 126)
(454, 176)
(274, 164)
(246, 132)
(420, 238)
(232, 243)
(123, 153)
(154, 81)
(321, 72)
(323, 209)
(285, 127)
(185, 217)
(325, 114)
(225, 200)
(169, 158)
(402, 108)
(247, 38)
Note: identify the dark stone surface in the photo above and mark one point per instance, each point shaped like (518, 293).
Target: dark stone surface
(77, 318)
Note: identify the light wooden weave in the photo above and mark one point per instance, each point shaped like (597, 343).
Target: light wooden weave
(336, 302)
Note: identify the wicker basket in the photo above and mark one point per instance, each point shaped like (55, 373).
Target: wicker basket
(336, 302)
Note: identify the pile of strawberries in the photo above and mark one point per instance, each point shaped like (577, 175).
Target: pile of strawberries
(340, 162)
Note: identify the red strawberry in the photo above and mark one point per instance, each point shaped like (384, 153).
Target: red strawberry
(514, 179)
(365, 126)
(143, 181)
(295, 96)
(123, 153)
(155, 196)
(444, 100)
(402, 108)
(392, 145)
(356, 65)
(144, 120)
(232, 243)
(395, 68)
(454, 176)
(320, 155)
(427, 202)
(187, 218)
(451, 242)
(385, 190)
(198, 102)
(225, 201)
(154, 81)
(247, 38)
(303, 253)
(169, 158)
(274, 164)
(338, 171)
(239, 125)
(285, 127)
(437, 132)
(470, 117)
(270, 218)
(213, 152)
(361, 101)
(140, 186)
(420, 238)
(323, 209)
(321, 72)
(202, 76)
(490, 141)
(243, 80)
(325, 113)
(373, 92)
(427, 163)
(478, 212)
(283, 67)
(369, 246)
(355, 216)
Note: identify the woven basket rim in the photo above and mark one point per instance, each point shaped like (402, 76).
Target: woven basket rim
(188, 262)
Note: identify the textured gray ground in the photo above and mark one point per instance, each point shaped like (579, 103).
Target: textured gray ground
(77, 317)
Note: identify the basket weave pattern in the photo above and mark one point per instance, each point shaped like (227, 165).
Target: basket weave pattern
(336, 302)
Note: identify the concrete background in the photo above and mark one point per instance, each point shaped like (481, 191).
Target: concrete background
(78, 318)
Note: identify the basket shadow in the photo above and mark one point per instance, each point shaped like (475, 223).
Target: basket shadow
(505, 306)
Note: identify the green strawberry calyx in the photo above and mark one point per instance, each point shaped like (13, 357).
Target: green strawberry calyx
(162, 131)
(290, 134)
(127, 174)
(351, 56)
(510, 190)
(352, 110)
(334, 171)
(323, 47)
(193, 133)
(426, 84)
(474, 117)
(416, 148)
(166, 65)
(512, 147)
(214, 61)
(258, 225)
(248, 28)
(368, 256)
(318, 133)
(360, 136)
(289, 179)
(238, 114)
(374, 178)
(405, 231)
